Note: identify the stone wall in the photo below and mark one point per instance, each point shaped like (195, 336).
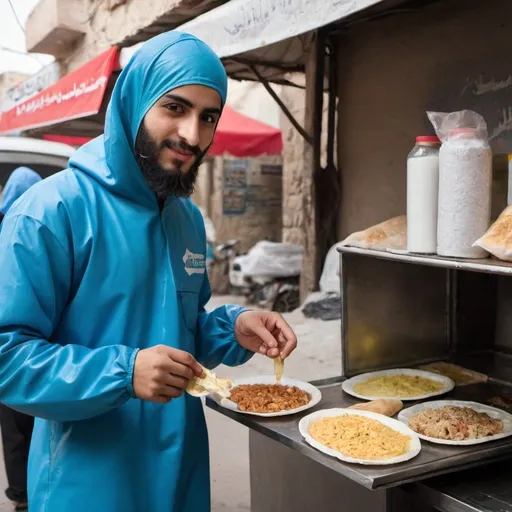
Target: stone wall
(254, 218)
(293, 161)
(294, 187)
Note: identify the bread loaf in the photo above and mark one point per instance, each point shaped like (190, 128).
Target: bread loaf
(386, 406)
(498, 238)
(391, 235)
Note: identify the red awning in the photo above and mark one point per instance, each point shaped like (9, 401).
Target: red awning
(76, 95)
(243, 136)
(70, 140)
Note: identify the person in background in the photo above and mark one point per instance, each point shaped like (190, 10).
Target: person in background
(16, 426)
(20, 180)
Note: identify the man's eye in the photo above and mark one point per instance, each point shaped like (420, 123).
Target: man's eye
(174, 107)
(207, 118)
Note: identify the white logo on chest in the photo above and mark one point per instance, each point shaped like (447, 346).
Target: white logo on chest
(194, 263)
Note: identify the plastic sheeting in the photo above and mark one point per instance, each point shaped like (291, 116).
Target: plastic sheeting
(211, 233)
(271, 259)
(323, 305)
(330, 278)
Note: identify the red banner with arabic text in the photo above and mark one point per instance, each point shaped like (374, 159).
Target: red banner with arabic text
(76, 95)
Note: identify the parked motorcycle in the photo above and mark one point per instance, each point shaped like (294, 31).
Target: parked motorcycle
(269, 275)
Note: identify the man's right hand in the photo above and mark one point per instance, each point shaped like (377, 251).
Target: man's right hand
(162, 373)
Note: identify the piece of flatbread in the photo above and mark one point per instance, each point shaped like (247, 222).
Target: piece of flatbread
(386, 406)
(461, 376)
(390, 235)
(498, 238)
(209, 383)
(278, 369)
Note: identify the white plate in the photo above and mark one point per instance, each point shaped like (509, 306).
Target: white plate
(405, 414)
(348, 385)
(414, 447)
(315, 393)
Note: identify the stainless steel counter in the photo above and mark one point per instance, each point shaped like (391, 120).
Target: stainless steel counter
(474, 490)
(433, 459)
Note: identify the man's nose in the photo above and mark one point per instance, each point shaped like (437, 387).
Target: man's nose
(189, 130)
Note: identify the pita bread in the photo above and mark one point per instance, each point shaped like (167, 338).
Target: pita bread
(209, 383)
(391, 234)
(386, 406)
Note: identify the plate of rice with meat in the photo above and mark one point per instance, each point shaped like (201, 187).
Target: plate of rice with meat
(263, 395)
(360, 437)
(457, 422)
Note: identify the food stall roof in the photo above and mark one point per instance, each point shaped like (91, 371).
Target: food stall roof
(273, 36)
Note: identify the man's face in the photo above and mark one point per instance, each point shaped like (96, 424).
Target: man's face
(174, 136)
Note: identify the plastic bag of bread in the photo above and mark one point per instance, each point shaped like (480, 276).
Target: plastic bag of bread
(388, 235)
(498, 238)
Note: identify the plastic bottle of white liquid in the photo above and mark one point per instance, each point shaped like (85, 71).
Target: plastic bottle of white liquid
(422, 195)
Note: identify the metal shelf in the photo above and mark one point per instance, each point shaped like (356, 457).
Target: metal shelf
(486, 266)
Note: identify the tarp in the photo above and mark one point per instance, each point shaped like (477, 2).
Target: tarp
(243, 137)
(76, 95)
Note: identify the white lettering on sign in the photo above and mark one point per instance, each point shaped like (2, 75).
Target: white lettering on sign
(31, 86)
(59, 97)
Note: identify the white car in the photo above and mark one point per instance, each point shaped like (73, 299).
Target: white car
(42, 156)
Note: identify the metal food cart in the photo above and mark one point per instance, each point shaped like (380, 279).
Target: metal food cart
(399, 311)
(393, 62)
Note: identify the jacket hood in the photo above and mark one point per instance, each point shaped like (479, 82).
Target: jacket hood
(165, 62)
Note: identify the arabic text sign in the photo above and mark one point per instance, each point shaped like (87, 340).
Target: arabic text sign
(76, 95)
(240, 26)
(32, 85)
(234, 186)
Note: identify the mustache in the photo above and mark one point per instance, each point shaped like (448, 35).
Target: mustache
(174, 144)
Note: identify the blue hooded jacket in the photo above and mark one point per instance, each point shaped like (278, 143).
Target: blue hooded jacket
(20, 180)
(91, 272)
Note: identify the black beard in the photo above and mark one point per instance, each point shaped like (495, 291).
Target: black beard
(164, 182)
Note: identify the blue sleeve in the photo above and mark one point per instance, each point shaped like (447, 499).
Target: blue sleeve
(57, 381)
(215, 337)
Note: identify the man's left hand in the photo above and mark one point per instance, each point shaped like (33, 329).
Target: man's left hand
(266, 333)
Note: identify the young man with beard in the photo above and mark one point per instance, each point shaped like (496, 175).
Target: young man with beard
(102, 293)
